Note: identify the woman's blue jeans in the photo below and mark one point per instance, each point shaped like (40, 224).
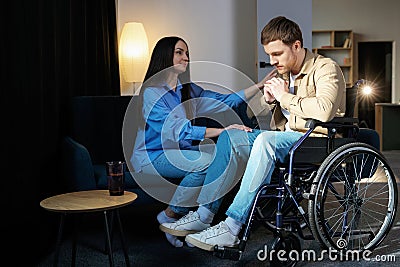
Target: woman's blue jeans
(188, 166)
(206, 177)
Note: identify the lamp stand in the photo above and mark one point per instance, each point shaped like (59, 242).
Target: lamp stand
(134, 88)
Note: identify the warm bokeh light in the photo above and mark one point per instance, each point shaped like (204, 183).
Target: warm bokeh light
(367, 90)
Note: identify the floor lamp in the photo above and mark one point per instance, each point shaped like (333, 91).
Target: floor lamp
(133, 53)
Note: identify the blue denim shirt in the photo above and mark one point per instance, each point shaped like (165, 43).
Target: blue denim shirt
(167, 126)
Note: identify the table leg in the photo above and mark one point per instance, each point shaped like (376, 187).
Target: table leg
(75, 237)
(110, 253)
(111, 230)
(122, 238)
(59, 237)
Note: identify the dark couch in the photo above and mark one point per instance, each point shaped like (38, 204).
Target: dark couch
(95, 136)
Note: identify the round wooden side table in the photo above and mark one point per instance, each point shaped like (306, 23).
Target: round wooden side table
(86, 202)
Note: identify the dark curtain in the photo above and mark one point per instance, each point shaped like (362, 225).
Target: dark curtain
(51, 50)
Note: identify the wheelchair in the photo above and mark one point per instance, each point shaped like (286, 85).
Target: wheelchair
(338, 190)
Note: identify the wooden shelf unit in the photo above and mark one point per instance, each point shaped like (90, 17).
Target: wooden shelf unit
(338, 45)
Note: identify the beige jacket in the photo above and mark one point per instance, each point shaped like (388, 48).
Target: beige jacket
(320, 93)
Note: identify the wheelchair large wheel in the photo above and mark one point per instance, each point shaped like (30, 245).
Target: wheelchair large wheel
(355, 199)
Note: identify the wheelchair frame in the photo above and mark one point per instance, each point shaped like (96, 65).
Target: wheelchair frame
(317, 185)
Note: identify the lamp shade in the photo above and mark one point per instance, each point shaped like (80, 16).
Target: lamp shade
(133, 52)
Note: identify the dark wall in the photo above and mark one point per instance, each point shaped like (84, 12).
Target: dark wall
(51, 51)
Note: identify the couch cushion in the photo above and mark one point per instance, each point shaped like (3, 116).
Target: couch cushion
(130, 182)
(77, 168)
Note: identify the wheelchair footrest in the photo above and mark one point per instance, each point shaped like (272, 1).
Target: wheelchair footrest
(227, 253)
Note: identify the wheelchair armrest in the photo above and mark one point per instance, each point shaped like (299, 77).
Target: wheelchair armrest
(336, 122)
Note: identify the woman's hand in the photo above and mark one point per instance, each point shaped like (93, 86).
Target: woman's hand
(214, 132)
(254, 89)
(269, 76)
(239, 127)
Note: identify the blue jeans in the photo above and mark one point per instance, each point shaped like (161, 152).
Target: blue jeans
(269, 148)
(214, 176)
(189, 166)
(232, 152)
(207, 179)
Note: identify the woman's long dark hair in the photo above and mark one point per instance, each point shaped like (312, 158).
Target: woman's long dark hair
(161, 59)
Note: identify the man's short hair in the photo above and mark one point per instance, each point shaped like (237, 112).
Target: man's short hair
(281, 28)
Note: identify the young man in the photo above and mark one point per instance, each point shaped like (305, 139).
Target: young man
(311, 86)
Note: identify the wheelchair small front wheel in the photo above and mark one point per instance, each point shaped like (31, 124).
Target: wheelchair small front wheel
(355, 199)
(285, 250)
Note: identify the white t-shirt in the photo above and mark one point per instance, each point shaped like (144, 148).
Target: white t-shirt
(284, 111)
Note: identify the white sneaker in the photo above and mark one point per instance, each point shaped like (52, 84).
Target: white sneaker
(188, 224)
(217, 235)
(173, 240)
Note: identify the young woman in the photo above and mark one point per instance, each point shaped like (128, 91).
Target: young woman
(164, 142)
